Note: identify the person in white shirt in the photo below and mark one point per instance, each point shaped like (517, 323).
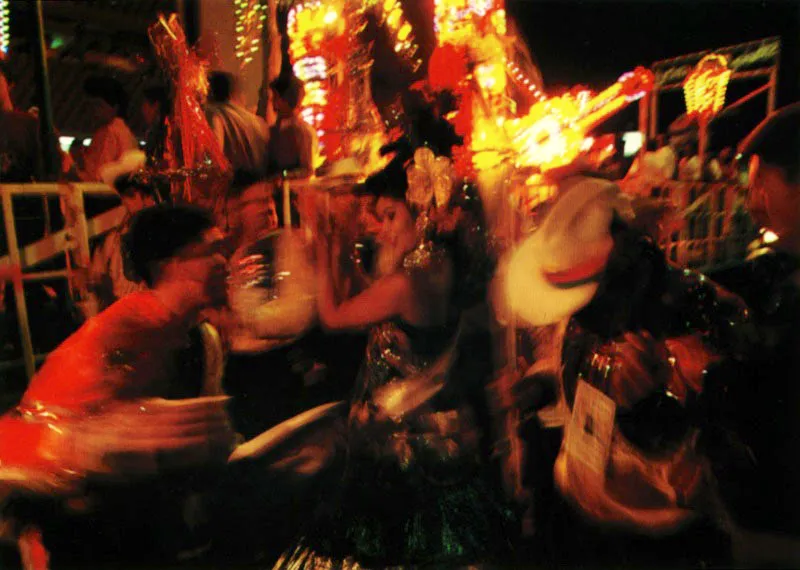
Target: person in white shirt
(657, 164)
(113, 138)
(241, 134)
(690, 168)
(293, 142)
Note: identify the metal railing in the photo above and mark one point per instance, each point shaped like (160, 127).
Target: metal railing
(73, 239)
(716, 227)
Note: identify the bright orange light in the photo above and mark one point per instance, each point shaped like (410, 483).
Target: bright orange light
(491, 77)
(704, 88)
(390, 13)
(250, 16)
(312, 27)
(554, 131)
(459, 21)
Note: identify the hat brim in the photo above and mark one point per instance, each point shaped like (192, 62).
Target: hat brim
(532, 297)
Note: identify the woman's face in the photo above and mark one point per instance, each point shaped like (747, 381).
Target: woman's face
(396, 236)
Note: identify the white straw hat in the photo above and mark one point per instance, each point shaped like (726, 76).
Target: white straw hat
(556, 271)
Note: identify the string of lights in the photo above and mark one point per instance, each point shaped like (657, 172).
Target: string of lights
(250, 16)
(5, 26)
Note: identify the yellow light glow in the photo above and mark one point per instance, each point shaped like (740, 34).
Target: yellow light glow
(491, 77)
(391, 15)
(404, 32)
(554, 132)
(705, 87)
(249, 22)
(458, 21)
(5, 26)
(499, 22)
(770, 237)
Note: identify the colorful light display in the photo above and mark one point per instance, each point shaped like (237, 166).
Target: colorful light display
(5, 26)
(323, 38)
(250, 16)
(473, 59)
(390, 14)
(553, 132)
(317, 37)
(460, 21)
(705, 87)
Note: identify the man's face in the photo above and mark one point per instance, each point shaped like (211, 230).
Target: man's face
(205, 263)
(773, 202)
(257, 210)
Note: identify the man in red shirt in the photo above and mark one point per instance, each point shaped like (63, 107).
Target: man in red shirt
(96, 415)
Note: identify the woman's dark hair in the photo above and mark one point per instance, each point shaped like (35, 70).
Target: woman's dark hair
(469, 246)
(389, 182)
(244, 179)
(221, 86)
(157, 233)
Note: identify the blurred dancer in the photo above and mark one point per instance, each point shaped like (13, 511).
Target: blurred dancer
(762, 491)
(414, 490)
(94, 426)
(259, 377)
(638, 367)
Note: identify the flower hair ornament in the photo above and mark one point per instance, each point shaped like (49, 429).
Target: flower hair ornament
(430, 186)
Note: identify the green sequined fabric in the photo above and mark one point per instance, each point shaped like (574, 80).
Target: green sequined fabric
(414, 491)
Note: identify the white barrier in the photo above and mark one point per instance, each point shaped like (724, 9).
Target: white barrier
(73, 238)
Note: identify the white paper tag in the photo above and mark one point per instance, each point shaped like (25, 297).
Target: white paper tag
(591, 429)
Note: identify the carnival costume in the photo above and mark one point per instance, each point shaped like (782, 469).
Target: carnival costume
(644, 356)
(415, 490)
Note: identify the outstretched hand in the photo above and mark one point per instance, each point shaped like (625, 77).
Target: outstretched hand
(142, 437)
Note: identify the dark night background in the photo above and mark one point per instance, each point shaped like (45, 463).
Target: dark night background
(592, 42)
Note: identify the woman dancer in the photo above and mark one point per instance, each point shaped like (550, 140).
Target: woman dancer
(413, 491)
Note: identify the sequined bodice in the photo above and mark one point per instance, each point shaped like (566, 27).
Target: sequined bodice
(434, 429)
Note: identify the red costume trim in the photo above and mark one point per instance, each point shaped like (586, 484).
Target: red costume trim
(579, 274)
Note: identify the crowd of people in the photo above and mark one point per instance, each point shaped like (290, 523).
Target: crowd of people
(248, 392)
(676, 157)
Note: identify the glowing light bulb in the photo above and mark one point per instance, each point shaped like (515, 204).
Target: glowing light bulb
(5, 26)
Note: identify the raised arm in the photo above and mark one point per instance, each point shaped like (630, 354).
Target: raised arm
(386, 298)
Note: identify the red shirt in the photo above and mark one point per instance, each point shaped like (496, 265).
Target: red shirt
(123, 353)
